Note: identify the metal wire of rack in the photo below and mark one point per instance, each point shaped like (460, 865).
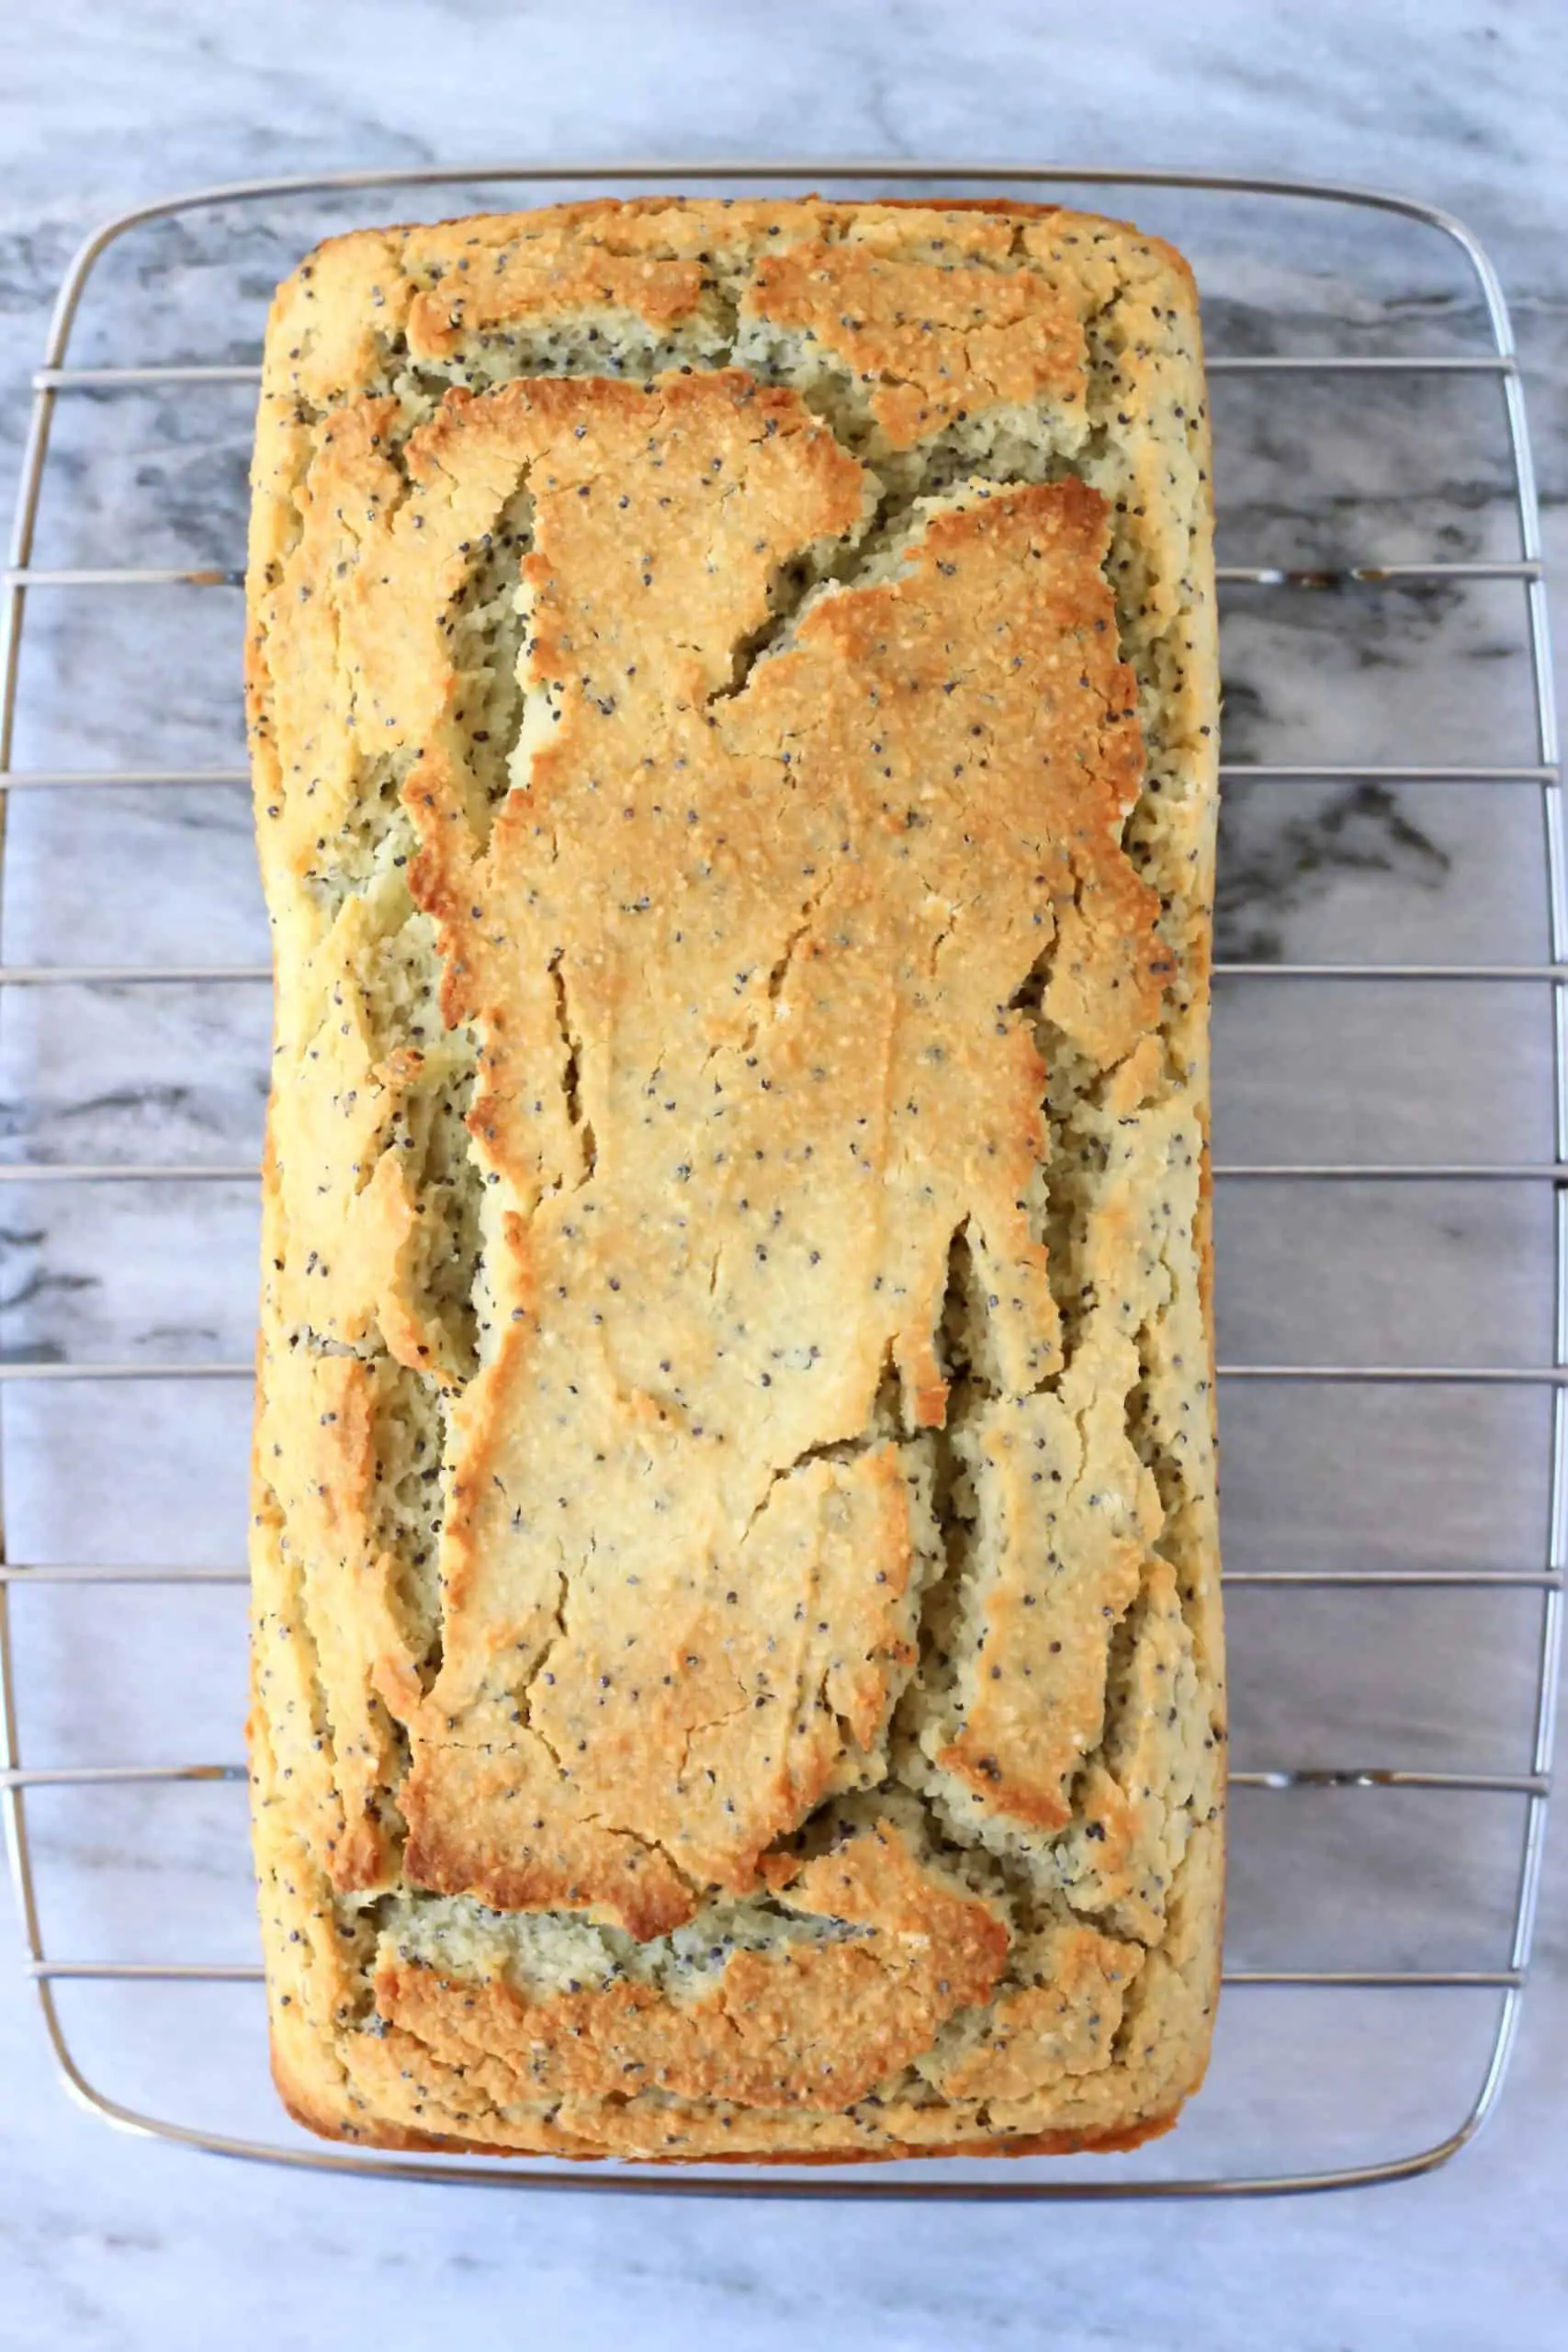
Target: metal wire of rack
(56, 381)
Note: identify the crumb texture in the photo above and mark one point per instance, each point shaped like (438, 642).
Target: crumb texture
(736, 1663)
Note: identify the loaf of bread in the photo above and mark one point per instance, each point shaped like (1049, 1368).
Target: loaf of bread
(737, 1645)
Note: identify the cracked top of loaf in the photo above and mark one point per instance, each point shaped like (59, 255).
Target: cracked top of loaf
(736, 1654)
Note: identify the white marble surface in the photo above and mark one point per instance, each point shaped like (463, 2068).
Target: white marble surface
(104, 2242)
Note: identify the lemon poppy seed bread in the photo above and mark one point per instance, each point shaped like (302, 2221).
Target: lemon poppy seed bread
(736, 1653)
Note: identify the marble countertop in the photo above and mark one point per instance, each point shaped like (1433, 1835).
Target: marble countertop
(110, 2242)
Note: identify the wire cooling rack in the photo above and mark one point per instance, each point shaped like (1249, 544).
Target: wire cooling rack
(1526, 1790)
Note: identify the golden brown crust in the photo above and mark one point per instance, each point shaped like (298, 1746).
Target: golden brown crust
(804, 2026)
(931, 341)
(334, 2124)
(734, 1223)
